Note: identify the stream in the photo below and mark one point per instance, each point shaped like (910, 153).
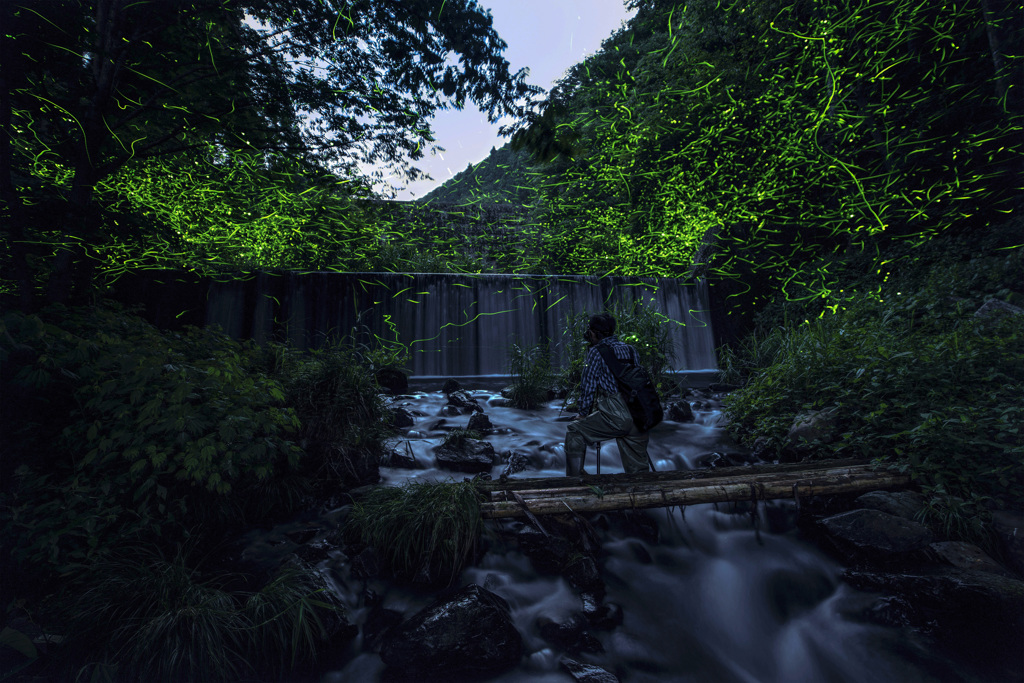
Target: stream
(721, 595)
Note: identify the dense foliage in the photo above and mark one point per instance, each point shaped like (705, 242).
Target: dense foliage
(135, 453)
(121, 97)
(920, 376)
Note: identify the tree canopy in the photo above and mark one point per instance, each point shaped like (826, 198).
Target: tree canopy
(90, 87)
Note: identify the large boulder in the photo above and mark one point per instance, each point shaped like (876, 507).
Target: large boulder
(904, 504)
(393, 379)
(471, 456)
(979, 615)
(400, 417)
(469, 634)
(876, 534)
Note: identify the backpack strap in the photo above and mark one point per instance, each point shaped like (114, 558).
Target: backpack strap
(614, 364)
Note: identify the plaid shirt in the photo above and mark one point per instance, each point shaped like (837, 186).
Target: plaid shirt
(597, 375)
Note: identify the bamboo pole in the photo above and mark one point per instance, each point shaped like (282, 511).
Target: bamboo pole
(719, 490)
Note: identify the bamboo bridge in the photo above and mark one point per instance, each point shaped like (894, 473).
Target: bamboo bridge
(511, 497)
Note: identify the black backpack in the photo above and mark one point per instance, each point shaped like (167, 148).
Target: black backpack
(637, 388)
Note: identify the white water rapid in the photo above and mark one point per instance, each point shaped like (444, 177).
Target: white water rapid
(718, 597)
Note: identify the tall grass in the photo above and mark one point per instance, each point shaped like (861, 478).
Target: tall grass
(420, 529)
(531, 375)
(151, 619)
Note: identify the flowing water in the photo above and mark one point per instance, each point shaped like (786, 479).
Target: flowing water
(721, 595)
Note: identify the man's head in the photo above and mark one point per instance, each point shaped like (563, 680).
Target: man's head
(601, 325)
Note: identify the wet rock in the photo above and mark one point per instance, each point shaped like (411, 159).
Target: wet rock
(876, 534)
(965, 556)
(570, 636)
(1009, 528)
(334, 622)
(979, 615)
(586, 673)
(600, 615)
(507, 392)
(813, 425)
(716, 460)
(679, 411)
(462, 400)
(472, 456)
(393, 379)
(499, 402)
(547, 553)
(451, 411)
(479, 422)
(301, 536)
(378, 622)
(315, 552)
(904, 504)
(402, 458)
(366, 565)
(450, 386)
(763, 449)
(400, 417)
(469, 633)
(515, 462)
(582, 573)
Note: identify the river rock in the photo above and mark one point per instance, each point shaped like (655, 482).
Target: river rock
(587, 673)
(450, 386)
(813, 425)
(400, 417)
(479, 422)
(979, 614)
(393, 379)
(965, 556)
(515, 462)
(875, 533)
(679, 411)
(1009, 528)
(583, 574)
(547, 553)
(378, 622)
(599, 614)
(905, 504)
(570, 636)
(472, 456)
(401, 458)
(462, 400)
(467, 634)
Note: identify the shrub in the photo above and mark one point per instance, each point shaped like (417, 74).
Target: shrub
(531, 375)
(129, 433)
(919, 381)
(636, 324)
(420, 529)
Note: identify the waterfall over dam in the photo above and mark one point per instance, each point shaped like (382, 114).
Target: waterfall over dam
(457, 325)
(453, 324)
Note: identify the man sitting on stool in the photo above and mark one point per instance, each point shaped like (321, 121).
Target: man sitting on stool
(611, 419)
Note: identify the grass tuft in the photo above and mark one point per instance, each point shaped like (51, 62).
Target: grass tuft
(420, 529)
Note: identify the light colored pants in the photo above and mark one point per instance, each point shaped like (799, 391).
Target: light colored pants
(611, 420)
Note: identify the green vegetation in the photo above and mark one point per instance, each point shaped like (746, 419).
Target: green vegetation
(129, 444)
(141, 617)
(637, 324)
(503, 177)
(919, 380)
(421, 532)
(531, 375)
